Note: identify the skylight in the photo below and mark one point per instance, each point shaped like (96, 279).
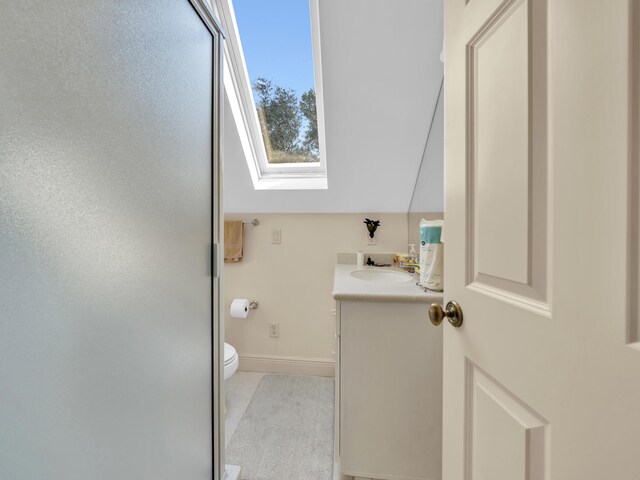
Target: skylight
(276, 40)
(273, 83)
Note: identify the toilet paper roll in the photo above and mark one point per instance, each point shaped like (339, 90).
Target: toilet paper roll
(239, 308)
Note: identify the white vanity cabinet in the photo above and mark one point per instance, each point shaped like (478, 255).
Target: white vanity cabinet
(388, 390)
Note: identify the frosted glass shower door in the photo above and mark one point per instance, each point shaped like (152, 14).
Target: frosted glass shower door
(106, 145)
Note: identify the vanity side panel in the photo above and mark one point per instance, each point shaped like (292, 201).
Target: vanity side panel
(337, 410)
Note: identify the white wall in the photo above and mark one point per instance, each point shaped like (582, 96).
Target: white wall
(429, 192)
(381, 75)
(428, 197)
(293, 280)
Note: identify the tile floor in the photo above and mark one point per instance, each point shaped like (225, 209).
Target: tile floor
(239, 390)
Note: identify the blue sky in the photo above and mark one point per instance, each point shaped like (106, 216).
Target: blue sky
(276, 39)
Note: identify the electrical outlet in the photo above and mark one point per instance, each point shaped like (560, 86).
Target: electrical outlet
(371, 241)
(276, 236)
(274, 330)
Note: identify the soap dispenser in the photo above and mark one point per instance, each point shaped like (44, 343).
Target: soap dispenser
(413, 255)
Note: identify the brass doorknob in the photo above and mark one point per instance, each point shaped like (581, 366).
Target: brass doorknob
(453, 313)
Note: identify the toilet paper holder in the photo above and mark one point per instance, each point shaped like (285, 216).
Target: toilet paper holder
(240, 307)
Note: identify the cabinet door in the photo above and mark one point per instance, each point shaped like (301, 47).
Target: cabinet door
(390, 391)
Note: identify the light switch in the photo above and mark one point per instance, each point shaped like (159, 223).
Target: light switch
(276, 236)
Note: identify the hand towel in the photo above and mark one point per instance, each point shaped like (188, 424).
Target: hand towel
(233, 240)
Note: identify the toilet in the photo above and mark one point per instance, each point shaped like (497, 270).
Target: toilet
(230, 360)
(230, 366)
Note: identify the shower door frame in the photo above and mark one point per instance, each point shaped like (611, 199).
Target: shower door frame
(205, 12)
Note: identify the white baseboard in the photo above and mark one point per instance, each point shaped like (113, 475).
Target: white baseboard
(365, 476)
(288, 365)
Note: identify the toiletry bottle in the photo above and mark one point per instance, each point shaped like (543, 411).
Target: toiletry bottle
(413, 256)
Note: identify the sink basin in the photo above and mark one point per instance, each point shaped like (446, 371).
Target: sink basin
(385, 276)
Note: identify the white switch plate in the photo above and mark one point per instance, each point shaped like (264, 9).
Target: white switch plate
(276, 236)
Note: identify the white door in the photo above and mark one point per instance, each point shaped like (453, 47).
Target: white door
(542, 380)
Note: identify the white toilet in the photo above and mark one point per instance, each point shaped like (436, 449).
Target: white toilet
(230, 360)
(230, 366)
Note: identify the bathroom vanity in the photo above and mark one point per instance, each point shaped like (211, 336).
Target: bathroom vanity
(388, 376)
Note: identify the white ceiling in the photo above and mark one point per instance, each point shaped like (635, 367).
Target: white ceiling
(381, 75)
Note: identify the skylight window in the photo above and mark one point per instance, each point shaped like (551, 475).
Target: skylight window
(276, 40)
(273, 83)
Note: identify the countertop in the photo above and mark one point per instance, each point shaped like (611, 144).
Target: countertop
(346, 287)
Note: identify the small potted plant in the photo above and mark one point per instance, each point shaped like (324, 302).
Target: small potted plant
(372, 226)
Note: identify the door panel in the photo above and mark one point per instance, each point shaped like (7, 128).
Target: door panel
(506, 440)
(507, 185)
(105, 220)
(540, 381)
(499, 99)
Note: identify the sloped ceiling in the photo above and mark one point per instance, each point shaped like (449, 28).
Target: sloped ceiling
(381, 76)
